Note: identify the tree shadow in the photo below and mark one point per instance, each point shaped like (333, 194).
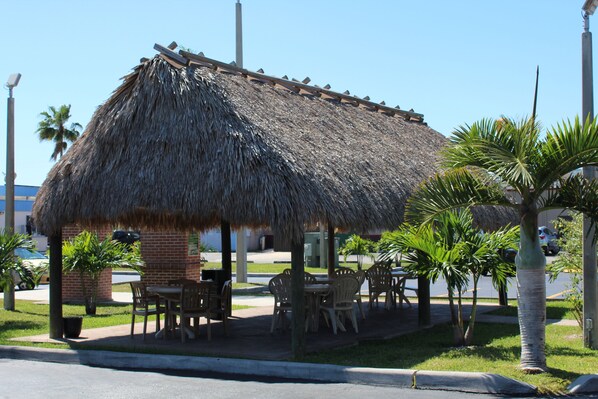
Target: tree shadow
(8, 327)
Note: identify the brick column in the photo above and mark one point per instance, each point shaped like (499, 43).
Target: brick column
(166, 257)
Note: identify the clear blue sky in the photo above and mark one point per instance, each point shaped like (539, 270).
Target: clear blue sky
(453, 61)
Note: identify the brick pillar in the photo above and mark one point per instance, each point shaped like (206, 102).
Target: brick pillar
(166, 257)
(72, 290)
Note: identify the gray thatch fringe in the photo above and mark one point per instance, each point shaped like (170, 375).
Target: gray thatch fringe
(186, 147)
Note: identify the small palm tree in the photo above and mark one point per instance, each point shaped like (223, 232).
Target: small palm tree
(452, 249)
(88, 256)
(10, 263)
(489, 156)
(356, 245)
(53, 128)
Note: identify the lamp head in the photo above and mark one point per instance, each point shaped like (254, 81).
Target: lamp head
(589, 6)
(13, 80)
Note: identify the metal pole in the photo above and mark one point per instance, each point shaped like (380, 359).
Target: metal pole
(242, 231)
(239, 25)
(590, 336)
(9, 214)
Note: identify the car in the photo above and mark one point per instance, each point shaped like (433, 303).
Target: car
(33, 263)
(548, 241)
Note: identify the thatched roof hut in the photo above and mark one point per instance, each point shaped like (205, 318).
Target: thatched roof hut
(186, 142)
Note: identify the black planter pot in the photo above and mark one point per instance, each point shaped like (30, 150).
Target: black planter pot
(72, 326)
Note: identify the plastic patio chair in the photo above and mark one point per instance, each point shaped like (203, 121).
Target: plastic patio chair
(380, 282)
(280, 287)
(194, 303)
(222, 305)
(340, 302)
(144, 305)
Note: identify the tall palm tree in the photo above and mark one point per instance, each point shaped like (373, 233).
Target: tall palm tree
(53, 128)
(489, 156)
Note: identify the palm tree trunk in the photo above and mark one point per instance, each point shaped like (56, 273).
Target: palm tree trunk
(460, 332)
(531, 293)
(457, 332)
(469, 333)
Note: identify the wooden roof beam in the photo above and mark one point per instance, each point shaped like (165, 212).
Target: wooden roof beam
(411, 115)
(171, 54)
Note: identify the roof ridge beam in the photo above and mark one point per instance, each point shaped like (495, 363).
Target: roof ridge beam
(409, 115)
(171, 54)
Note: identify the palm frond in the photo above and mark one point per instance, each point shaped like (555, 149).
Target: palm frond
(575, 192)
(505, 148)
(567, 147)
(455, 189)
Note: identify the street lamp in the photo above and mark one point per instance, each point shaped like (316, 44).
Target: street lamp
(590, 299)
(9, 211)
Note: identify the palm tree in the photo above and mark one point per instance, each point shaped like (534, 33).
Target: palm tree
(489, 156)
(355, 245)
(89, 256)
(53, 128)
(452, 248)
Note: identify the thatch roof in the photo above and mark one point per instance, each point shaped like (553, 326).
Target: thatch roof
(184, 143)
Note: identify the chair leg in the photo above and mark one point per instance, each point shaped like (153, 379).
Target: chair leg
(354, 320)
(132, 325)
(360, 305)
(333, 318)
(157, 319)
(195, 325)
(225, 323)
(209, 329)
(144, 324)
(274, 316)
(183, 324)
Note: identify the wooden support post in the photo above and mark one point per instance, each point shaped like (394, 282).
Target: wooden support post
(331, 250)
(56, 326)
(297, 299)
(423, 301)
(226, 250)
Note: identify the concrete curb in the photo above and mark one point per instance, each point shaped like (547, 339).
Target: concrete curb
(585, 384)
(471, 382)
(454, 381)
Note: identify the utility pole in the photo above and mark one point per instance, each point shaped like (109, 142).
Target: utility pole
(590, 299)
(242, 231)
(9, 214)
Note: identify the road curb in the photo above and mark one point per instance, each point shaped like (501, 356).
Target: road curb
(471, 382)
(400, 378)
(585, 384)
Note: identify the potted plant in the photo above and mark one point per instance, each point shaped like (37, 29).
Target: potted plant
(89, 256)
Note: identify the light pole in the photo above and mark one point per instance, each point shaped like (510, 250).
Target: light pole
(590, 300)
(9, 211)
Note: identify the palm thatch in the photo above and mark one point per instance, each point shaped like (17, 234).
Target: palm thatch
(186, 146)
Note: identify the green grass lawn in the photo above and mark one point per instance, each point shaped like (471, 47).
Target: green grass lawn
(30, 318)
(555, 309)
(496, 349)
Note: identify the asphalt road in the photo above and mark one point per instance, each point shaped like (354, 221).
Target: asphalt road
(30, 380)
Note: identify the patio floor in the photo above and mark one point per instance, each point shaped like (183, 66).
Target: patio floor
(250, 336)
